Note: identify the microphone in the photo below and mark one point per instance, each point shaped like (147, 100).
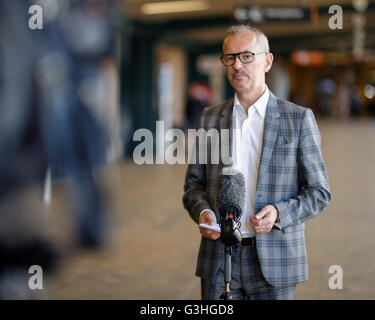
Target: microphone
(230, 202)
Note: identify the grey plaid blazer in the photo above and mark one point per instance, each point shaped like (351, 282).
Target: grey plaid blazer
(292, 176)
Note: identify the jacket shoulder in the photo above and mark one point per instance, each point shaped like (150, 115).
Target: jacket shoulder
(218, 108)
(286, 107)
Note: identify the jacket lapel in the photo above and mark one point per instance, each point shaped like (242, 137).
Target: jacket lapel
(226, 122)
(271, 128)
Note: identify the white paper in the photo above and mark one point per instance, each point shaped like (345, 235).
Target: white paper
(215, 227)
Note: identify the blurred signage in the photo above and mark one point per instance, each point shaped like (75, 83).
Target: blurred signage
(307, 58)
(257, 14)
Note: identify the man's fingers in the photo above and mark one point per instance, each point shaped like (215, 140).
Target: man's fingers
(263, 230)
(215, 235)
(207, 218)
(210, 234)
(260, 222)
(255, 222)
(265, 224)
(265, 217)
(263, 212)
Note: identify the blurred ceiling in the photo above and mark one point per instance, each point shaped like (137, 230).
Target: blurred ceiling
(222, 7)
(208, 25)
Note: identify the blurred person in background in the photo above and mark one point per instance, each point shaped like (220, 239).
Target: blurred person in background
(199, 97)
(343, 99)
(326, 89)
(48, 91)
(355, 100)
(277, 149)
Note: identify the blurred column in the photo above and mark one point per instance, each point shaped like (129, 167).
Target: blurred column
(171, 65)
(212, 66)
(359, 30)
(137, 71)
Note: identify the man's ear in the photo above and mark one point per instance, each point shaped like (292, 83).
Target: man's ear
(269, 60)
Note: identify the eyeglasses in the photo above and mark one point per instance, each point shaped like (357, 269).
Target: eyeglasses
(244, 56)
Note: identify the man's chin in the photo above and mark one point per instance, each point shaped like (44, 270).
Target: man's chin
(239, 84)
(240, 87)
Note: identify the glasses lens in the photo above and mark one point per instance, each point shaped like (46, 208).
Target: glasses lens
(228, 60)
(246, 57)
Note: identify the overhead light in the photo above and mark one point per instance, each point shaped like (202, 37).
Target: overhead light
(369, 91)
(174, 6)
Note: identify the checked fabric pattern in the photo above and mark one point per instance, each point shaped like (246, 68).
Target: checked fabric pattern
(292, 176)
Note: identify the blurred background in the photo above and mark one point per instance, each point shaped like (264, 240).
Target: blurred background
(73, 93)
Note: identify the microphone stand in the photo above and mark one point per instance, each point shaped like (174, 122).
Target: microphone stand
(227, 273)
(230, 201)
(230, 236)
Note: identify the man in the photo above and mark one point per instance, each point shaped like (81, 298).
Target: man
(276, 145)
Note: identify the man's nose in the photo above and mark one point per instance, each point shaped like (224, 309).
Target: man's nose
(237, 63)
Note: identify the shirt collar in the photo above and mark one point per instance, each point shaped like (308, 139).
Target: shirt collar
(260, 105)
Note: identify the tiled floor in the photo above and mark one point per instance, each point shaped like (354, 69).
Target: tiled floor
(153, 243)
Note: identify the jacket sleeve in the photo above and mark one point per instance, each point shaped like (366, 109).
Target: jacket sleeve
(194, 198)
(314, 193)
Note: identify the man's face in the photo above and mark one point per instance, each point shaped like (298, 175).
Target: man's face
(246, 77)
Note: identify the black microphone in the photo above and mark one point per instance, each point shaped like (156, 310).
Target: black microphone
(230, 202)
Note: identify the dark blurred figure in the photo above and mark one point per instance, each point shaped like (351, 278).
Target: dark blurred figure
(46, 82)
(326, 89)
(76, 41)
(343, 99)
(355, 101)
(199, 97)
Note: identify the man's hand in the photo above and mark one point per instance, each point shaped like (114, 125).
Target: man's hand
(264, 220)
(206, 217)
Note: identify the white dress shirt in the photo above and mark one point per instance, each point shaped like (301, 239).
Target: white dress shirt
(247, 148)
